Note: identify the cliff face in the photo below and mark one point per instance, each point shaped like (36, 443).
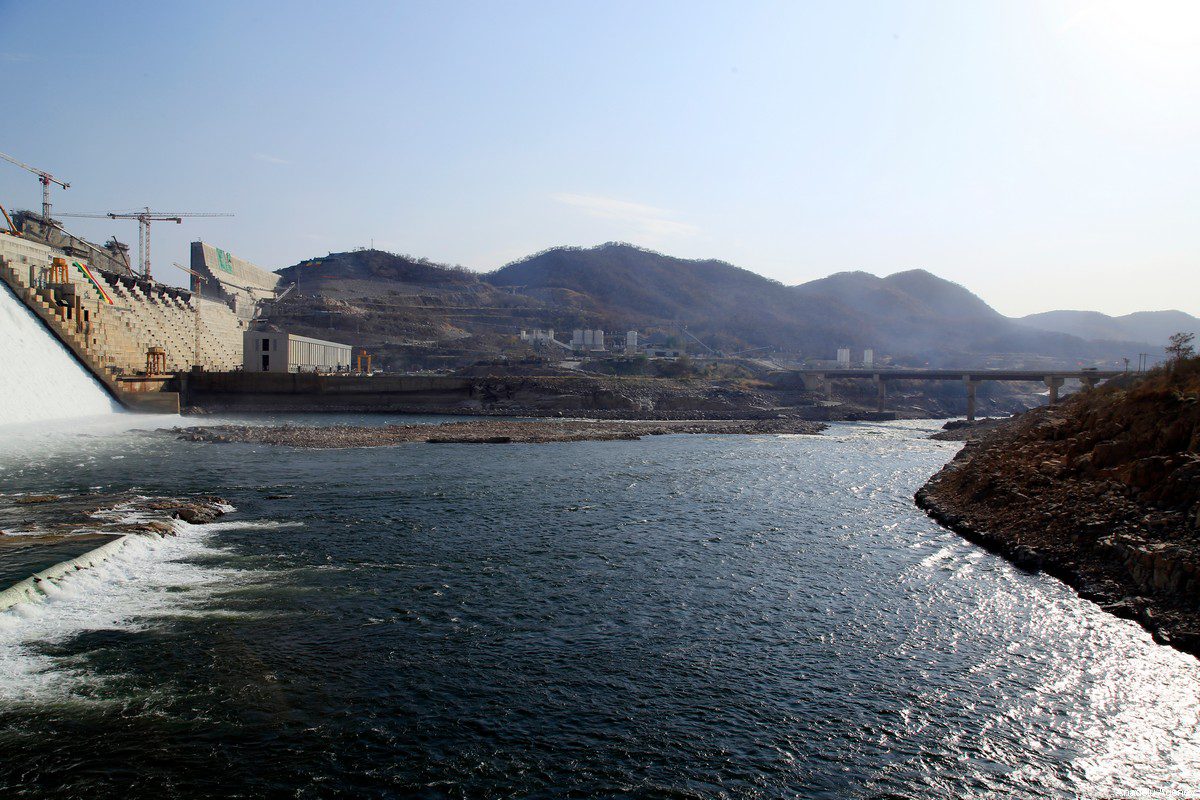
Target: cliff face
(1102, 491)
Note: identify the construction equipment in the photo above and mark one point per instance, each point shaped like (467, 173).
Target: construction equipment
(11, 228)
(144, 218)
(45, 178)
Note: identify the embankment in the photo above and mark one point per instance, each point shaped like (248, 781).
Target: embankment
(1102, 491)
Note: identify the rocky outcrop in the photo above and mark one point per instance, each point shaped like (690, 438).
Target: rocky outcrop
(1102, 491)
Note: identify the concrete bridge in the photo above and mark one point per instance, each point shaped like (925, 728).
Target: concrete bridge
(815, 379)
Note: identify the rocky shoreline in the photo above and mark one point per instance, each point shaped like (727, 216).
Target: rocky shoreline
(26, 518)
(38, 531)
(485, 432)
(1102, 492)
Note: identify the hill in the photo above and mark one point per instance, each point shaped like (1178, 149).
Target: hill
(1146, 327)
(386, 300)
(915, 315)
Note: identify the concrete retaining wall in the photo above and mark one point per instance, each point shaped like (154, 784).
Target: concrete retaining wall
(266, 391)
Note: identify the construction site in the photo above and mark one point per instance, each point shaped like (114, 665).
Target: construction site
(136, 335)
(318, 335)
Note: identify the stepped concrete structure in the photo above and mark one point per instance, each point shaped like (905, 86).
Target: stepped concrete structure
(132, 334)
(234, 281)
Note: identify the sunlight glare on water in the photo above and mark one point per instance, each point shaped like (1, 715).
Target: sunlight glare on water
(685, 615)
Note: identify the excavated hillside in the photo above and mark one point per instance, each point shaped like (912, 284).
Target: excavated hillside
(1102, 491)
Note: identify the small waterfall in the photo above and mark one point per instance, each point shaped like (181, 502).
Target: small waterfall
(39, 378)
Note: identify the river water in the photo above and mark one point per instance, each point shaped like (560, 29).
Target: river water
(685, 616)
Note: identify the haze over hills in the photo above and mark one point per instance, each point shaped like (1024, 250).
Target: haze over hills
(914, 316)
(1150, 327)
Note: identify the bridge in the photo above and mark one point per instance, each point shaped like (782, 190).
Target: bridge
(823, 378)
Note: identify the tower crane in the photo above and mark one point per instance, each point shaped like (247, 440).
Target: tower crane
(45, 178)
(144, 218)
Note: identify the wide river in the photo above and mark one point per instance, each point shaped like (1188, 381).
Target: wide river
(685, 616)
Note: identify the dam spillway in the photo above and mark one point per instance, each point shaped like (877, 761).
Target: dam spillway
(40, 379)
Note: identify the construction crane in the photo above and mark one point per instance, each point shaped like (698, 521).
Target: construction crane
(144, 218)
(45, 178)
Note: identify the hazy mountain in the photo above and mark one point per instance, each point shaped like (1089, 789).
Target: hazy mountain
(1148, 327)
(913, 316)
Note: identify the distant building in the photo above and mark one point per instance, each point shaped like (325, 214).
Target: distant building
(868, 358)
(843, 357)
(537, 335)
(587, 340)
(233, 281)
(631, 342)
(269, 351)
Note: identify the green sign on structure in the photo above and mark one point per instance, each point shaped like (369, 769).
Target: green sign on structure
(224, 261)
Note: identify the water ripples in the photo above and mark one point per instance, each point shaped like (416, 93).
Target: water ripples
(678, 617)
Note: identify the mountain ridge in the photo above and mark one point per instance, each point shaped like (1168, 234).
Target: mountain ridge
(912, 315)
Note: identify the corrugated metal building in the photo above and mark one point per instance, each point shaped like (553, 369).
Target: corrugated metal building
(267, 351)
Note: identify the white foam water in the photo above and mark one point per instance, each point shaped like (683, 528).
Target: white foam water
(41, 378)
(146, 581)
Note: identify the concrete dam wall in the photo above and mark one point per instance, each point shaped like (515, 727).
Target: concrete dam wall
(40, 379)
(131, 334)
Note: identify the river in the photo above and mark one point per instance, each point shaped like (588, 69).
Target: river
(684, 616)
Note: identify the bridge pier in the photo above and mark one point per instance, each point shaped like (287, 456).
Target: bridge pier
(971, 387)
(881, 392)
(814, 381)
(1053, 384)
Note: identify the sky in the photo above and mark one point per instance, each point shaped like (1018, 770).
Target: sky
(1043, 154)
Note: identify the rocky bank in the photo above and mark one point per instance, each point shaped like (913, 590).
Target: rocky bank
(1101, 491)
(484, 432)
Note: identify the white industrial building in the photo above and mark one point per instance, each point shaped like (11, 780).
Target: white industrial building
(268, 351)
(589, 340)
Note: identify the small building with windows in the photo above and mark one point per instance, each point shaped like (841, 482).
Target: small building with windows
(272, 351)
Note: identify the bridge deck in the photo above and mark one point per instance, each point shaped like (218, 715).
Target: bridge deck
(961, 374)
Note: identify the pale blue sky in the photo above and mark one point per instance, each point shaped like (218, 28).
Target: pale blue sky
(1044, 154)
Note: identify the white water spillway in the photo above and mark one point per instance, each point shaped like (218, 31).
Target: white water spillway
(39, 378)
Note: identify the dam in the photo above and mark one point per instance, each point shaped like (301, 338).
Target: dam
(133, 335)
(32, 360)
